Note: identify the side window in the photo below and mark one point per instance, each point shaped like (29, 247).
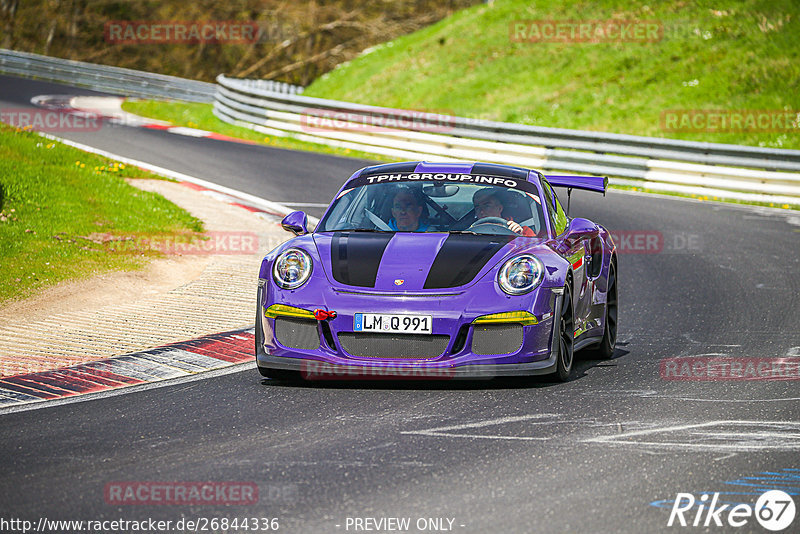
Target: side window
(560, 216)
(557, 215)
(548, 203)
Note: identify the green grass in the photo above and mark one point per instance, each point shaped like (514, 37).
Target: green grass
(63, 211)
(720, 55)
(194, 115)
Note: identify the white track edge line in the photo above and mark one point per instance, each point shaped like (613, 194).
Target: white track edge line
(124, 390)
(264, 204)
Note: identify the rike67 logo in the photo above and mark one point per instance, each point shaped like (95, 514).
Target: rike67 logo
(774, 510)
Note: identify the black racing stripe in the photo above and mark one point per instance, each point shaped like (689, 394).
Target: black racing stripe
(355, 257)
(491, 169)
(461, 258)
(390, 168)
(339, 257)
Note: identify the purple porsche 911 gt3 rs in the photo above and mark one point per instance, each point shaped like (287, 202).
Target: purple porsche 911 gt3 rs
(439, 270)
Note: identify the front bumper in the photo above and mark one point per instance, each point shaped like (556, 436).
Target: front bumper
(329, 359)
(314, 369)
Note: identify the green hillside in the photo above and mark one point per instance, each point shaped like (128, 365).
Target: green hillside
(721, 55)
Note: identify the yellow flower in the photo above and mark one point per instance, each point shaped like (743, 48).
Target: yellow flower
(785, 206)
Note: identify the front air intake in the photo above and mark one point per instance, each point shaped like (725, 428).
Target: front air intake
(297, 333)
(405, 346)
(494, 339)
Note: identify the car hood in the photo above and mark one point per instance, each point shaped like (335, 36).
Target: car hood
(409, 261)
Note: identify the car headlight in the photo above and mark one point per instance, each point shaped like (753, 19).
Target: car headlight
(292, 268)
(520, 274)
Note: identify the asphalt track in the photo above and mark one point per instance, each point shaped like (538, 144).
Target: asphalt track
(596, 454)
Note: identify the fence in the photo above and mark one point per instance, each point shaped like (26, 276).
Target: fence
(727, 171)
(126, 82)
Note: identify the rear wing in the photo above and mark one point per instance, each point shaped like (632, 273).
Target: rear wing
(598, 184)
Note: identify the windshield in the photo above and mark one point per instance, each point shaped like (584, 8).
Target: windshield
(433, 206)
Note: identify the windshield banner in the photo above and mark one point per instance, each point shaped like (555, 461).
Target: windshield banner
(444, 177)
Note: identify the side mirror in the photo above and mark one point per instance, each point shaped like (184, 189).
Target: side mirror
(296, 223)
(580, 229)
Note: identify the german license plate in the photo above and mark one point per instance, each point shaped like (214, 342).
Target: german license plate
(392, 323)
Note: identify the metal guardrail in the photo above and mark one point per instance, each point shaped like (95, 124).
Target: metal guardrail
(272, 86)
(117, 80)
(733, 171)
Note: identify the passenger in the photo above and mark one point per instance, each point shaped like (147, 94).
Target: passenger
(487, 203)
(409, 213)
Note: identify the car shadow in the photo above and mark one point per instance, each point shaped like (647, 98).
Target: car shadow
(582, 364)
(584, 361)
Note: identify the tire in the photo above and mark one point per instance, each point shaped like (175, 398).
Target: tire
(566, 339)
(605, 350)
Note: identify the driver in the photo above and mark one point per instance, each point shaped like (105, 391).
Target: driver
(487, 203)
(408, 211)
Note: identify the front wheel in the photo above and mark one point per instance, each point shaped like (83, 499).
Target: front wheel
(605, 350)
(565, 338)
